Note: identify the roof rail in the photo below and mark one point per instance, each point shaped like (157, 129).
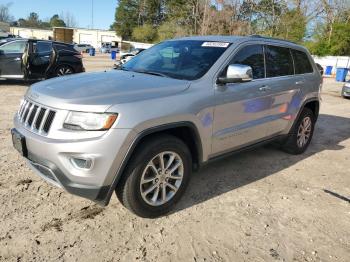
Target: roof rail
(272, 38)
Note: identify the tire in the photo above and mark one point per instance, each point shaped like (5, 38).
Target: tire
(294, 143)
(132, 193)
(63, 70)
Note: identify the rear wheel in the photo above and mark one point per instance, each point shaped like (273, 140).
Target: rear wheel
(156, 177)
(301, 134)
(63, 70)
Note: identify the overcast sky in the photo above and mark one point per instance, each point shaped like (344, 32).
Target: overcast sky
(81, 9)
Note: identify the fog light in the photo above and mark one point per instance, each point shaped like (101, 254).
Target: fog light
(83, 163)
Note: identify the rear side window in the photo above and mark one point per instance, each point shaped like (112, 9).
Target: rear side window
(252, 56)
(59, 47)
(42, 47)
(278, 61)
(302, 62)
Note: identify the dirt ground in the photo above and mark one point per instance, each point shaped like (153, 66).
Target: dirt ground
(262, 205)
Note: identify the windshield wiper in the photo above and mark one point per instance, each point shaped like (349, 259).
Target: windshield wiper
(151, 73)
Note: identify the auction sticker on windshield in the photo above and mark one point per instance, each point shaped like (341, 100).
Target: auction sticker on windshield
(215, 44)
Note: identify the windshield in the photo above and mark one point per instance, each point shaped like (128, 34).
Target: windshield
(183, 59)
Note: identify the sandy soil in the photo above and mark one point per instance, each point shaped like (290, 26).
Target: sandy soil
(262, 205)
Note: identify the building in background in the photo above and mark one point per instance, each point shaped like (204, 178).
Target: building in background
(94, 37)
(34, 33)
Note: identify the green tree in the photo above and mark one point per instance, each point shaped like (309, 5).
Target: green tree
(146, 33)
(292, 26)
(33, 20)
(340, 41)
(267, 16)
(166, 31)
(332, 37)
(126, 17)
(154, 12)
(55, 21)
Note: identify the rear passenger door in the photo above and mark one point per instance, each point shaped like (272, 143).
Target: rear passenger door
(40, 58)
(283, 87)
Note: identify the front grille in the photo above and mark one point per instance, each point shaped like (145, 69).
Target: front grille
(36, 117)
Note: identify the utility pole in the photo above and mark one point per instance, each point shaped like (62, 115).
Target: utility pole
(92, 14)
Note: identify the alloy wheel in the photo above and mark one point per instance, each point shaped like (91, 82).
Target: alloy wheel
(65, 70)
(161, 178)
(304, 132)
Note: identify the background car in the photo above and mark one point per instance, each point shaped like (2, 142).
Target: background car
(109, 47)
(9, 38)
(127, 56)
(83, 48)
(38, 59)
(346, 90)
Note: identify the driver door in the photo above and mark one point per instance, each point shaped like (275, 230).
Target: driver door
(11, 59)
(241, 116)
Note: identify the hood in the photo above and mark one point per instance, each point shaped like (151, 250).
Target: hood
(96, 92)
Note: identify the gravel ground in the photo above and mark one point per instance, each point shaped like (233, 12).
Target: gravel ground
(262, 205)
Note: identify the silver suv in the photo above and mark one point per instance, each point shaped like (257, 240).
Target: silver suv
(141, 130)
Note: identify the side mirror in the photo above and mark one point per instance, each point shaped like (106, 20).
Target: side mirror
(236, 73)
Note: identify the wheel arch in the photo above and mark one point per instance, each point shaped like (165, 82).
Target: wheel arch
(313, 104)
(186, 131)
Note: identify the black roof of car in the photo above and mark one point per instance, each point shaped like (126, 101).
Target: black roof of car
(36, 40)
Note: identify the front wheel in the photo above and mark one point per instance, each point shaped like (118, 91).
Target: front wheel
(301, 134)
(156, 177)
(63, 70)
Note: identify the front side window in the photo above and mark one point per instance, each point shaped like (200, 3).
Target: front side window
(182, 59)
(302, 63)
(252, 56)
(15, 47)
(279, 61)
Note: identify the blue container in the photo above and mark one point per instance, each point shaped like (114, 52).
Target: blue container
(114, 55)
(92, 51)
(341, 74)
(328, 70)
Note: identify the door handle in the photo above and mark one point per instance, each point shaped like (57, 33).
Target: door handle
(264, 88)
(299, 82)
(17, 59)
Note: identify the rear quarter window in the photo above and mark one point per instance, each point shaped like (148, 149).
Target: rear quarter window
(301, 62)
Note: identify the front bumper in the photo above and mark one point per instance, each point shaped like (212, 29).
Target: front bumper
(51, 159)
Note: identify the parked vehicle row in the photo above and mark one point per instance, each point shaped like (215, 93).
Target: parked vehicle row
(140, 131)
(126, 56)
(38, 59)
(83, 48)
(109, 48)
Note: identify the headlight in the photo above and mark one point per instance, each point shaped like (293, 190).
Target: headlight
(89, 121)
